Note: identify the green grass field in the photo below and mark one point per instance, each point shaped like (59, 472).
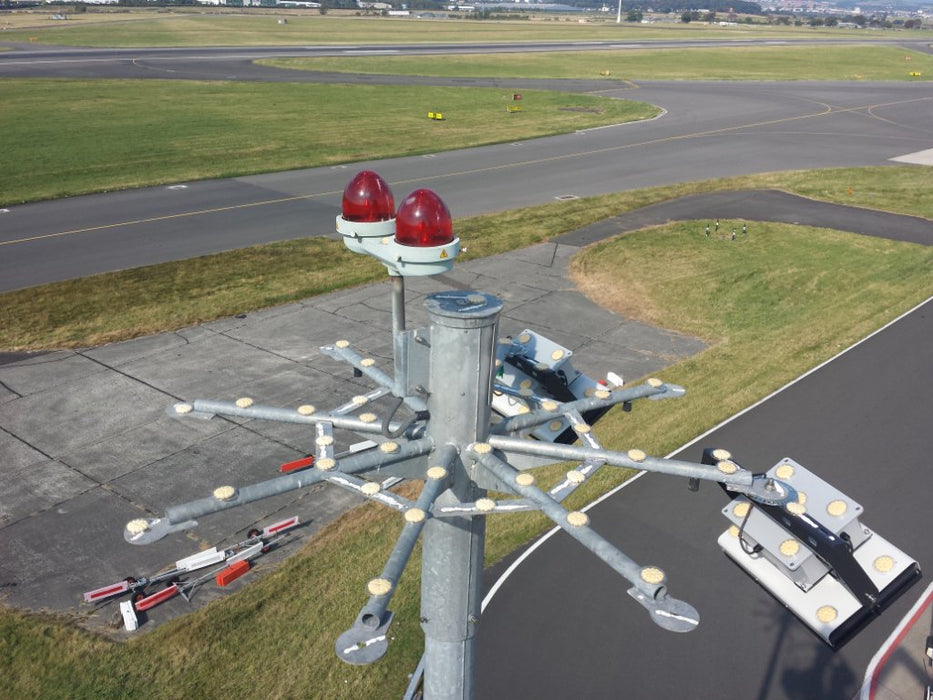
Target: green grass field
(735, 63)
(66, 137)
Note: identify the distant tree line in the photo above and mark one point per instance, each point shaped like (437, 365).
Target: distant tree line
(680, 6)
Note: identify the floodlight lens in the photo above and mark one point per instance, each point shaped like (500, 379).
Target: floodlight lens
(368, 198)
(423, 220)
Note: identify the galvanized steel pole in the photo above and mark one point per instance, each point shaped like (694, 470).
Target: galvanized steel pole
(463, 337)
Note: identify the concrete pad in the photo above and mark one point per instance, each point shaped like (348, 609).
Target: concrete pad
(596, 358)
(530, 274)
(81, 412)
(47, 371)
(118, 354)
(216, 365)
(917, 158)
(298, 332)
(668, 346)
(39, 487)
(140, 446)
(6, 394)
(570, 311)
(48, 561)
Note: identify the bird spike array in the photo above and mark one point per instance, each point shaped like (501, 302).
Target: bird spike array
(524, 388)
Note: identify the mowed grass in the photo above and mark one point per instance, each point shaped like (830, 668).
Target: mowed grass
(131, 303)
(773, 303)
(226, 27)
(67, 137)
(733, 63)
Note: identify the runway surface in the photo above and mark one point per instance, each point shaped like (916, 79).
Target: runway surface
(562, 625)
(709, 129)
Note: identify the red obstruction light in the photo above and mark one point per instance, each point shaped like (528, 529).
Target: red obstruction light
(368, 198)
(423, 220)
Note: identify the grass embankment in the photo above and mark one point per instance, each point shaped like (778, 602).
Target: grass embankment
(66, 137)
(733, 63)
(122, 305)
(774, 303)
(255, 27)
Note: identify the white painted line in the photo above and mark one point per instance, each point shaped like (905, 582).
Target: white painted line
(918, 158)
(890, 645)
(550, 533)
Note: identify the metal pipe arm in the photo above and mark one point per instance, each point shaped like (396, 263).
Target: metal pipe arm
(652, 390)
(633, 459)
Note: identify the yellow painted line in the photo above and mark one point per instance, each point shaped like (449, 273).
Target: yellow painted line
(827, 110)
(167, 217)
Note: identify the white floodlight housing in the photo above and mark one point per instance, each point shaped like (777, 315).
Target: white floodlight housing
(416, 241)
(815, 556)
(531, 365)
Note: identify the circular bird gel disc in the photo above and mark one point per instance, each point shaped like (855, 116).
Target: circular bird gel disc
(224, 493)
(414, 515)
(137, 526)
(485, 505)
(884, 564)
(726, 467)
(379, 586)
(577, 519)
(524, 479)
(436, 473)
(652, 575)
(785, 471)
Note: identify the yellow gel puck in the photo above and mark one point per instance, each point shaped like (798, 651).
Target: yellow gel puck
(379, 586)
(652, 574)
(577, 519)
(485, 505)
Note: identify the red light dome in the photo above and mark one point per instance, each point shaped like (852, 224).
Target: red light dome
(423, 220)
(368, 198)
